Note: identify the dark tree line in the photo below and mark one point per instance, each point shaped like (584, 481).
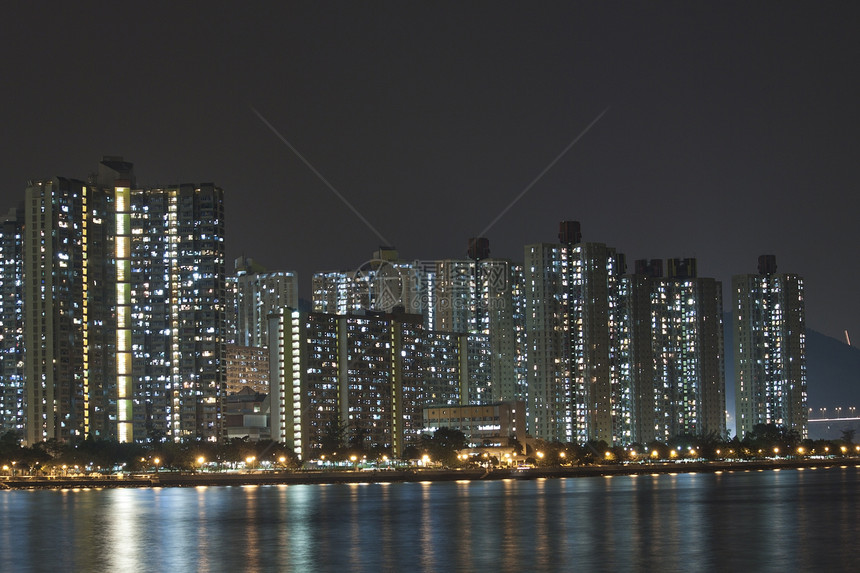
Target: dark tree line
(443, 447)
(97, 455)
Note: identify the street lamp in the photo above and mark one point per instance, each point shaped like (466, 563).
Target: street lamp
(354, 459)
(156, 461)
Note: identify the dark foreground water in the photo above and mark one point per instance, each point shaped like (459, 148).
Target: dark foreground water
(789, 520)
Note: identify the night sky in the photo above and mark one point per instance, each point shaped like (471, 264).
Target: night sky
(731, 130)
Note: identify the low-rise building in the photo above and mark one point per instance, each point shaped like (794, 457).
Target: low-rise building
(490, 425)
(246, 415)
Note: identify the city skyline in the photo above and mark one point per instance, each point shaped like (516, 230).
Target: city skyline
(730, 130)
(87, 236)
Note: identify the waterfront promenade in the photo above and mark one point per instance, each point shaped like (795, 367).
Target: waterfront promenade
(188, 479)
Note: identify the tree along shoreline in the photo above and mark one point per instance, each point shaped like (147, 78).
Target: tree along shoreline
(319, 477)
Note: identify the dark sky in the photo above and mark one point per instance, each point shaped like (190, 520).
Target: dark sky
(732, 130)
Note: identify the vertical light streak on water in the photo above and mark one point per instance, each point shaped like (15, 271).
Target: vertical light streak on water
(353, 516)
(541, 527)
(426, 550)
(513, 516)
(254, 536)
(174, 529)
(465, 526)
(305, 542)
(386, 534)
(122, 536)
(201, 534)
(276, 542)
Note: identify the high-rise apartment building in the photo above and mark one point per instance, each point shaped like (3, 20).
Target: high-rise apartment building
(594, 306)
(371, 374)
(231, 310)
(382, 284)
(481, 295)
(12, 322)
(770, 349)
(478, 296)
(177, 299)
(672, 351)
(123, 298)
(258, 294)
(68, 301)
(550, 398)
(572, 330)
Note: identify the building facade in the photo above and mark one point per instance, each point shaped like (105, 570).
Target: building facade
(259, 293)
(12, 322)
(123, 308)
(770, 349)
(575, 389)
(673, 351)
(382, 284)
(247, 367)
(369, 374)
(177, 298)
(481, 295)
(68, 301)
(492, 425)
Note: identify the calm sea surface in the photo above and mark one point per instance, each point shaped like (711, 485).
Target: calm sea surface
(789, 520)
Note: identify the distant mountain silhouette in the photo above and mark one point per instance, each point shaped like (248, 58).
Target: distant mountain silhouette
(832, 372)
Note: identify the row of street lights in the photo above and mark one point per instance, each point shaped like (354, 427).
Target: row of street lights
(851, 412)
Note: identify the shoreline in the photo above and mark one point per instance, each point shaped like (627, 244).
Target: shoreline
(315, 477)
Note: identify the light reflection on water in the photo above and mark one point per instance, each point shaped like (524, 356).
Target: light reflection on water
(769, 521)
